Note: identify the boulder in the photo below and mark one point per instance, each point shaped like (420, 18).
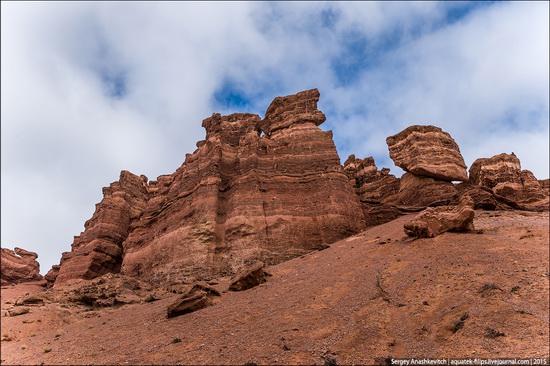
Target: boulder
(199, 296)
(428, 151)
(248, 277)
(434, 221)
(18, 265)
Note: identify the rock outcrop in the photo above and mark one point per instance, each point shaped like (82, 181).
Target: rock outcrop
(254, 189)
(377, 189)
(434, 221)
(273, 189)
(499, 183)
(428, 151)
(18, 266)
(98, 250)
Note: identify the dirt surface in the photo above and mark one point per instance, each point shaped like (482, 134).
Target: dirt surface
(370, 297)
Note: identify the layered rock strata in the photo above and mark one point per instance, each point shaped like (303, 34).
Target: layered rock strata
(98, 250)
(431, 159)
(377, 189)
(254, 189)
(500, 181)
(18, 265)
(428, 151)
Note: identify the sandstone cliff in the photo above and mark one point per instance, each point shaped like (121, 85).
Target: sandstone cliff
(254, 189)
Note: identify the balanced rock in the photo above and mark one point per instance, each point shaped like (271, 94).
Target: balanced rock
(434, 221)
(428, 151)
(18, 266)
(248, 277)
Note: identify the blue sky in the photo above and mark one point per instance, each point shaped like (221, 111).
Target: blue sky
(92, 88)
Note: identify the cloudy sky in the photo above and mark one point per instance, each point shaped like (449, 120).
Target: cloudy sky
(90, 89)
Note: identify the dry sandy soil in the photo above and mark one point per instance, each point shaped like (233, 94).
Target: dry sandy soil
(366, 299)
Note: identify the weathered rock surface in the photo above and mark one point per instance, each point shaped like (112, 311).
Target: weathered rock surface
(292, 110)
(501, 176)
(418, 191)
(105, 291)
(199, 296)
(241, 196)
(370, 183)
(18, 266)
(98, 250)
(428, 151)
(248, 277)
(377, 189)
(434, 221)
(545, 185)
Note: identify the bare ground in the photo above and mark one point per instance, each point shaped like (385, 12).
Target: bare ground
(374, 296)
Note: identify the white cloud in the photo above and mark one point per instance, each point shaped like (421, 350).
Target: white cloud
(89, 89)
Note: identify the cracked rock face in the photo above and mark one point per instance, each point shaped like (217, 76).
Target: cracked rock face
(428, 151)
(242, 196)
(18, 266)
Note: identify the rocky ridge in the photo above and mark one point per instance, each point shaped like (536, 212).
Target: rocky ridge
(254, 189)
(273, 189)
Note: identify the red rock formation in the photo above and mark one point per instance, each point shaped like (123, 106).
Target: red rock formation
(434, 221)
(377, 189)
(292, 110)
(98, 250)
(545, 184)
(501, 176)
(238, 198)
(418, 191)
(18, 266)
(369, 182)
(488, 172)
(427, 151)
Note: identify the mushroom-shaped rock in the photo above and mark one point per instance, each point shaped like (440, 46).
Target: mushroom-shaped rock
(428, 151)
